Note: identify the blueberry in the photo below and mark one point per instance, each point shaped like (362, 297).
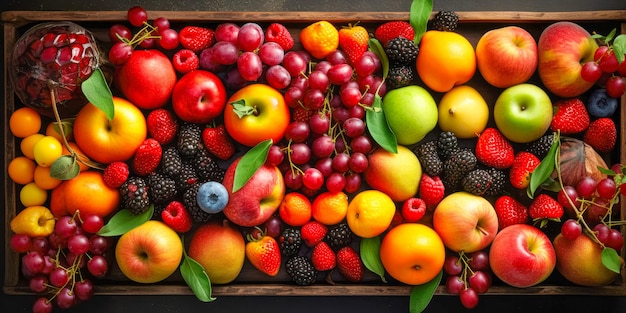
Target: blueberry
(600, 104)
(212, 197)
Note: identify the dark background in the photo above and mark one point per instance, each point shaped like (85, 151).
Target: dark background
(440, 303)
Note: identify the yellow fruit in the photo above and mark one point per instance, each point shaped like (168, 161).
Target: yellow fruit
(33, 221)
(463, 111)
(27, 145)
(330, 208)
(47, 150)
(320, 39)
(370, 213)
(31, 195)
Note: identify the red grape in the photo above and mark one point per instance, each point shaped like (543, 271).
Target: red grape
(42, 305)
(92, 223)
(571, 229)
(319, 81)
(325, 166)
(33, 262)
(137, 16)
(340, 74)
(84, 289)
(454, 284)
(323, 146)
(479, 261)
(590, 71)
(295, 63)
(600, 51)
(293, 96)
(480, 281)
(615, 239)
(313, 99)
(278, 77)
(353, 182)
(250, 37)
(354, 127)
(271, 53)
(297, 131)
(606, 188)
(350, 96)
(585, 187)
(59, 277)
(78, 244)
(293, 179)
(250, 66)
(615, 86)
(452, 265)
(469, 298)
(567, 194)
(38, 283)
(361, 144)
(66, 298)
(358, 162)
(313, 178)
(227, 32)
(118, 32)
(340, 162)
(161, 23)
(275, 155)
(97, 266)
(21, 243)
(300, 153)
(602, 232)
(335, 182)
(337, 57)
(364, 66)
(319, 123)
(323, 66)
(98, 244)
(609, 63)
(169, 39)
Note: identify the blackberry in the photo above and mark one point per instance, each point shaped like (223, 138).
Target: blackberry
(541, 146)
(190, 202)
(402, 51)
(301, 270)
(462, 161)
(400, 76)
(161, 188)
(206, 167)
(447, 144)
(477, 182)
(498, 182)
(290, 241)
(171, 162)
(135, 196)
(189, 140)
(445, 21)
(186, 177)
(158, 210)
(429, 159)
(339, 236)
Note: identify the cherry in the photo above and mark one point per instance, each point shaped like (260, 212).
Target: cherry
(571, 229)
(137, 16)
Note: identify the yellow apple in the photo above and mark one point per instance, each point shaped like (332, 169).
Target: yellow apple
(463, 111)
(580, 261)
(396, 174)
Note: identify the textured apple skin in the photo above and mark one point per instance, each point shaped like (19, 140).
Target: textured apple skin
(580, 261)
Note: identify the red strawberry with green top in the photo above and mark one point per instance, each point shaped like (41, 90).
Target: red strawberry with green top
(279, 34)
(545, 208)
(523, 165)
(494, 150)
(353, 42)
(185, 61)
(510, 211)
(431, 190)
(263, 253)
(217, 141)
(176, 216)
(162, 125)
(349, 264)
(323, 257)
(601, 135)
(115, 174)
(390, 30)
(570, 116)
(196, 38)
(313, 232)
(147, 157)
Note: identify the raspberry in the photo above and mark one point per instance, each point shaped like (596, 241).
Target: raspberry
(115, 174)
(185, 61)
(279, 34)
(313, 232)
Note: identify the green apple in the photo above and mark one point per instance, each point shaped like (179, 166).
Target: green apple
(411, 113)
(523, 113)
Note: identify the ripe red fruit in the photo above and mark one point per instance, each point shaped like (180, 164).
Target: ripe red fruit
(323, 257)
(162, 125)
(196, 38)
(279, 34)
(601, 135)
(313, 232)
(510, 211)
(349, 263)
(544, 208)
(523, 164)
(353, 41)
(570, 117)
(218, 142)
(390, 30)
(115, 174)
(431, 190)
(413, 209)
(185, 61)
(176, 216)
(147, 157)
(494, 150)
(263, 253)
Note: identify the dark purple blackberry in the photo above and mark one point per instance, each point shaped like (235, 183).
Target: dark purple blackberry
(429, 158)
(447, 144)
(498, 182)
(541, 146)
(189, 140)
(339, 236)
(190, 202)
(301, 270)
(290, 241)
(462, 161)
(477, 182)
(186, 177)
(402, 51)
(445, 21)
(400, 76)
(161, 188)
(206, 167)
(135, 196)
(171, 162)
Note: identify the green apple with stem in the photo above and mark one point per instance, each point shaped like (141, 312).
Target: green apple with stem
(523, 112)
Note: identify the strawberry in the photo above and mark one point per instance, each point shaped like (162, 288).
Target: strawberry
(510, 211)
(176, 216)
(494, 150)
(162, 125)
(353, 42)
(390, 30)
(570, 116)
(431, 190)
(313, 232)
(523, 164)
(545, 208)
(185, 61)
(263, 253)
(217, 141)
(601, 135)
(302, 114)
(349, 263)
(279, 34)
(147, 157)
(196, 38)
(323, 257)
(115, 174)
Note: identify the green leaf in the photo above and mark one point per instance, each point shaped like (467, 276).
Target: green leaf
(543, 171)
(619, 47)
(370, 254)
(422, 294)
(241, 109)
(124, 221)
(611, 260)
(376, 47)
(96, 90)
(250, 163)
(65, 167)
(610, 36)
(196, 278)
(606, 171)
(419, 16)
(379, 128)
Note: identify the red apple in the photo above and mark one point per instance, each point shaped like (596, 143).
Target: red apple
(563, 48)
(149, 253)
(465, 222)
(506, 56)
(580, 261)
(105, 140)
(258, 199)
(147, 78)
(521, 255)
(198, 97)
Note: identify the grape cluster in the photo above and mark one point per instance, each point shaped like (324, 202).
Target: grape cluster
(607, 71)
(468, 276)
(54, 265)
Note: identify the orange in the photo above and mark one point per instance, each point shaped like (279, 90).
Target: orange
(330, 208)
(320, 39)
(295, 210)
(412, 253)
(81, 155)
(24, 122)
(21, 170)
(28, 143)
(370, 213)
(44, 180)
(88, 193)
(446, 59)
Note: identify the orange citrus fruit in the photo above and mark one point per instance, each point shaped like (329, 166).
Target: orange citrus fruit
(320, 39)
(44, 180)
(446, 59)
(28, 143)
(295, 210)
(88, 193)
(370, 213)
(412, 253)
(24, 122)
(330, 208)
(21, 170)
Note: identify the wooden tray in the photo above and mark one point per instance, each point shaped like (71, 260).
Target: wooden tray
(250, 281)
